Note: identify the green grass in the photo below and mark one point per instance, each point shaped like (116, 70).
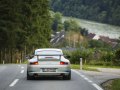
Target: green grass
(115, 84)
(76, 66)
(92, 67)
(112, 85)
(98, 66)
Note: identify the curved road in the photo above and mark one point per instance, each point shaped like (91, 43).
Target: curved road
(13, 77)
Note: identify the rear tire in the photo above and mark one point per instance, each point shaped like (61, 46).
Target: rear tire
(29, 77)
(67, 77)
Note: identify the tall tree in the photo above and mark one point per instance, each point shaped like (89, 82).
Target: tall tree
(107, 11)
(24, 24)
(57, 22)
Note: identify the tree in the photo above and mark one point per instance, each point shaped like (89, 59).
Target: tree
(106, 11)
(71, 25)
(117, 57)
(57, 22)
(83, 31)
(23, 24)
(96, 44)
(66, 25)
(117, 54)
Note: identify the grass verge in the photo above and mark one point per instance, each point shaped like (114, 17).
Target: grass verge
(94, 67)
(98, 66)
(85, 67)
(116, 84)
(112, 85)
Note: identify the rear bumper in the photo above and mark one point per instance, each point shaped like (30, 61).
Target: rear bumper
(37, 70)
(48, 73)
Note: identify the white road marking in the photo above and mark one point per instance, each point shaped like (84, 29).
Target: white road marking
(57, 40)
(62, 36)
(76, 72)
(90, 81)
(51, 40)
(96, 86)
(82, 76)
(14, 82)
(22, 67)
(86, 78)
(22, 71)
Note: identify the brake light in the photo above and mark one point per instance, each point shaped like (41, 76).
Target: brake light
(63, 63)
(34, 63)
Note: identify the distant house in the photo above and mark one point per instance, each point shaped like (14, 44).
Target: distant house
(104, 39)
(96, 37)
(111, 42)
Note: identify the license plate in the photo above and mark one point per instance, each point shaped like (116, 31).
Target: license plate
(49, 70)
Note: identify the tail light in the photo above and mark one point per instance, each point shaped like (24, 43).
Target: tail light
(63, 63)
(34, 63)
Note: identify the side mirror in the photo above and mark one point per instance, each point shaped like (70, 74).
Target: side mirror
(29, 56)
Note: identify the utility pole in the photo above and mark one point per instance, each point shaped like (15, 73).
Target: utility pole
(74, 41)
(80, 63)
(3, 62)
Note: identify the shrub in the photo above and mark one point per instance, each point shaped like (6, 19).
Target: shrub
(107, 56)
(116, 60)
(99, 63)
(77, 54)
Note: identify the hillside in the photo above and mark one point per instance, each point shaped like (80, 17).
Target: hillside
(105, 11)
(99, 29)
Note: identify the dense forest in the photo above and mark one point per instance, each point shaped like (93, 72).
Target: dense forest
(106, 11)
(24, 26)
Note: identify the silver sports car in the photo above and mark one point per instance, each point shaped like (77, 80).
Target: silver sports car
(48, 62)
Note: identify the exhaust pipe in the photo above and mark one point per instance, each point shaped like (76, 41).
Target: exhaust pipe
(35, 75)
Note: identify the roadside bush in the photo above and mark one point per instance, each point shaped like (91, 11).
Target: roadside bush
(77, 54)
(67, 53)
(116, 60)
(99, 63)
(95, 44)
(75, 57)
(98, 44)
(96, 62)
(107, 56)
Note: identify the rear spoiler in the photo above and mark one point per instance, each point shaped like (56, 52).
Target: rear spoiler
(49, 55)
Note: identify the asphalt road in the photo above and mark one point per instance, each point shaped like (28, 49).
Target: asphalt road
(13, 77)
(58, 37)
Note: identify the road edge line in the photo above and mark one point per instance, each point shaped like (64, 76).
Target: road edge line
(88, 80)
